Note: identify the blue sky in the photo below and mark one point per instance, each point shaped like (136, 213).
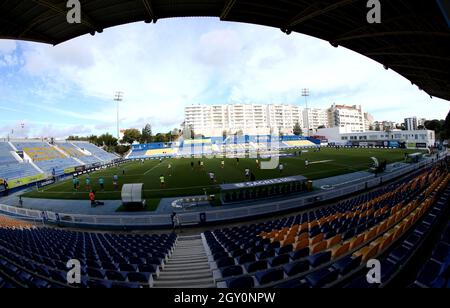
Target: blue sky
(162, 67)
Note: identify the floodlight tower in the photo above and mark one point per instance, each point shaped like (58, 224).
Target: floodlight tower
(118, 97)
(305, 94)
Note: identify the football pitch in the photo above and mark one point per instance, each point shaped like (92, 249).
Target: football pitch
(183, 180)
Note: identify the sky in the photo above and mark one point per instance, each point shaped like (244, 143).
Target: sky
(161, 68)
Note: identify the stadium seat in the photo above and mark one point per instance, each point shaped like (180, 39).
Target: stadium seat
(296, 267)
(230, 271)
(322, 277)
(319, 258)
(256, 266)
(244, 282)
(270, 275)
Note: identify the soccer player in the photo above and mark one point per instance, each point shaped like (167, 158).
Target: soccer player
(192, 165)
(116, 181)
(222, 164)
(169, 168)
(75, 183)
(212, 177)
(306, 163)
(162, 180)
(237, 160)
(202, 165)
(88, 182)
(257, 164)
(247, 173)
(281, 167)
(101, 182)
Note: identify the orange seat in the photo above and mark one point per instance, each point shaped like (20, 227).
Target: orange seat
(357, 241)
(334, 240)
(319, 247)
(340, 250)
(301, 244)
(318, 238)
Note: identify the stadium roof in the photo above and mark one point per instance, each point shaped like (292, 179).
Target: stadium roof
(413, 38)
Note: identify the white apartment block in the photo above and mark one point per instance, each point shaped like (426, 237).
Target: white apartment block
(251, 119)
(350, 117)
(315, 118)
(411, 123)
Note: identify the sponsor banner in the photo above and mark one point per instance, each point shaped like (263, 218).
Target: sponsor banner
(69, 170)
(46, 183)
(80, 169)
(27, 180)
(421, 145)
(263, 183)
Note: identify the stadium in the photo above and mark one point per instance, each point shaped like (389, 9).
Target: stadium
(241, 210)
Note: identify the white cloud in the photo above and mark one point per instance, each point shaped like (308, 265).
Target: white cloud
(163, 67)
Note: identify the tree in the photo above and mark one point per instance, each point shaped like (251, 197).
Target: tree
(147, 134)
(106, 140)
(130, 136)
(445, 133)
(321, 126)
(297, 129)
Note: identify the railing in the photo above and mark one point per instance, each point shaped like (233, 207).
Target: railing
(214, 216)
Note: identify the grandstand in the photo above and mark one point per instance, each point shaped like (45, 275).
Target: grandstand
(221, 145)
(93, 150)
(21, 159)
(10, 167)
(325, 246)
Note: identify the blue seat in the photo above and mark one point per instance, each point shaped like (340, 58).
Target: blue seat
(220, 255)
(244, 282)
(224, 262)
(429, 273)
(265, 254)
(230, 271)
(125, 285)
(296, 267)
(322, 277)
(399, 254)
(299, 254)
(95, 273)
(138, 277)
(270, 275)
(319, 258)
(284, 249)
(99, 284)
(347, 264)
(279, 260)
(249, 257)
(115, 275)
(256, 266)
(294, 284)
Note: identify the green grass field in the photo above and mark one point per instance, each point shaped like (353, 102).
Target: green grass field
(183, 181)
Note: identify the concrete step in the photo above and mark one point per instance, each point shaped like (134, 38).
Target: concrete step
(204, 272)
(180, 276)
(194, 286)
(189, 256)
(182, 282)
(187, 261)
(184, 268)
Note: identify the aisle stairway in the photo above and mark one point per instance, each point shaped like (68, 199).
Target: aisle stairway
(188, 267)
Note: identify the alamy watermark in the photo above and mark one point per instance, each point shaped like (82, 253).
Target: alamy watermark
(374, 274)
(74, 11)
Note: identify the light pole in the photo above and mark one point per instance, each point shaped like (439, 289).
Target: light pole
(305, 94)
(118, 97)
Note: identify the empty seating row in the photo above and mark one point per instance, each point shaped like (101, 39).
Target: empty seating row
(299, 244)
(96, 151)
(38, 257)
